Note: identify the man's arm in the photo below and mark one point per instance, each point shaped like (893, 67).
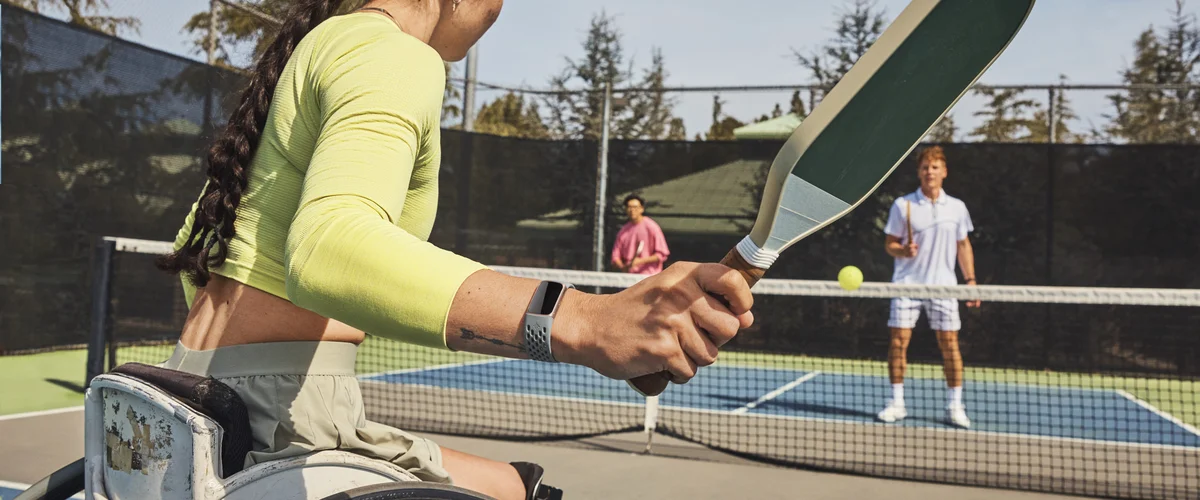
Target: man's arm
(894, 229)
(897, 249)
(657, 247)
(966, 261)
(616, 255)
(649, 259)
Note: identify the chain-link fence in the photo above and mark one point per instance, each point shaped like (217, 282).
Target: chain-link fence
(104, 137)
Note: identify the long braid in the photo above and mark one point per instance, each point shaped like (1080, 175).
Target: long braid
(230, 154)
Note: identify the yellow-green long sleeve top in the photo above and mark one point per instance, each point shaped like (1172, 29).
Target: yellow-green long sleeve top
(342, 190)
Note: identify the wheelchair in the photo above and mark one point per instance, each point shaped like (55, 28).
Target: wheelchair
(153, 433)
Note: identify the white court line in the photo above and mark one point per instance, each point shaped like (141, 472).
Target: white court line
(1169, 417)
(32, 414)
(1031, 437)
(684, 409)
(775, 393)
(23, 487)
(431, 368)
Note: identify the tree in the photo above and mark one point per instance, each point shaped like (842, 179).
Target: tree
(1064, 112)
(944, 131)
(96, 151)
(676, 131)
(797, 105)
(511, 116)
(236, 27)
(1006, 116)
(651, 112)
(580, 115)
(635, 115)
(451, 96)
(84, 13)
(1154, 115)
(723, 125)
(858, 26)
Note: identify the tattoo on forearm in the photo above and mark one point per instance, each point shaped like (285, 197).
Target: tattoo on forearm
(468, 334)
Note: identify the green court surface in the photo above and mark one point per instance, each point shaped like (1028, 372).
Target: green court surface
(53, 380)
(45, 381)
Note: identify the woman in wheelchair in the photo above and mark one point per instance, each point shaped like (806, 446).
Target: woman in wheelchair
(311, 231)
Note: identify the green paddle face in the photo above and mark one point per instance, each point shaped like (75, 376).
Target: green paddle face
(927, 59)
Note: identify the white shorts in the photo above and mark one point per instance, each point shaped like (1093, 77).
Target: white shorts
(942, 314)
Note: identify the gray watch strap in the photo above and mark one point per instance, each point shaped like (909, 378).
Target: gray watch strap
(537, 337)
(539, 319)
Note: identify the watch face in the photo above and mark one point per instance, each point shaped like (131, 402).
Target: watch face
(553, 291)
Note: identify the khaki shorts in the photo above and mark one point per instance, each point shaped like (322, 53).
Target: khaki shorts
(303, 397)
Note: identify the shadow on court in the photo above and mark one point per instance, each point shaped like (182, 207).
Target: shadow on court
(603, 467)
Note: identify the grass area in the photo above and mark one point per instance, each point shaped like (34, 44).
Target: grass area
(378, 355)
(54, 379)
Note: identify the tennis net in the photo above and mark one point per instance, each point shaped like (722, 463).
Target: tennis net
(1091, 391)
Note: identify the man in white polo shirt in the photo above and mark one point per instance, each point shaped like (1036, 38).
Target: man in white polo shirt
(926, 233)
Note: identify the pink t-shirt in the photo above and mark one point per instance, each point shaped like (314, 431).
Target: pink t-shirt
(652, 242)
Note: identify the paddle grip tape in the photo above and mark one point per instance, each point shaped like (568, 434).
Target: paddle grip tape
(755, 256)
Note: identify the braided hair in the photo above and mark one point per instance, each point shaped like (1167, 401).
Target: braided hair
(229, 155)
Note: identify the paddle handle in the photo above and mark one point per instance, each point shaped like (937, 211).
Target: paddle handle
(734, 260)
(655, 383)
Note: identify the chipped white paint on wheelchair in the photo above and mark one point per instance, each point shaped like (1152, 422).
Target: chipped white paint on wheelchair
(143, 444)
(149, 445)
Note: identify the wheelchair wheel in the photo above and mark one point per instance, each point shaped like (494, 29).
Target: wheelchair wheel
(60, 485)
(408, 491)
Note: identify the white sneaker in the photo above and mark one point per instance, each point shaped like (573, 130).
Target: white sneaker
(893, 412)
(957, 415)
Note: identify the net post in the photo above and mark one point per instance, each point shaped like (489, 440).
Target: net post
(1050, 173)
(98, 336)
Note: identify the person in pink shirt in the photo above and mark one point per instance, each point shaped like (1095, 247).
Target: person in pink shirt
(641, 247)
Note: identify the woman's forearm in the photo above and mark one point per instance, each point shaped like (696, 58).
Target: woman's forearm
(487, 312)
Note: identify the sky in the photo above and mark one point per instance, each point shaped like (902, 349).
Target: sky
(719, 42)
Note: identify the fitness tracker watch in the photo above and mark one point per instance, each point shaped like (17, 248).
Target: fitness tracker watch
(540, 317)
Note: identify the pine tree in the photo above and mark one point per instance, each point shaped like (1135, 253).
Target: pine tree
(581, 115)
(1064, 112)
(944, 131)
(651, 112)
(1007, 116)
(859, 24)
(635, 115)
(1154, 115)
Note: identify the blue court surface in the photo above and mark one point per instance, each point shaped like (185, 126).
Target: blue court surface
(994, 407)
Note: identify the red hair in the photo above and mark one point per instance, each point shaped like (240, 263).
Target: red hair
(931, 153)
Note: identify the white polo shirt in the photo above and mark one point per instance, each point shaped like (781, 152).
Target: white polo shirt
(937, 228)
